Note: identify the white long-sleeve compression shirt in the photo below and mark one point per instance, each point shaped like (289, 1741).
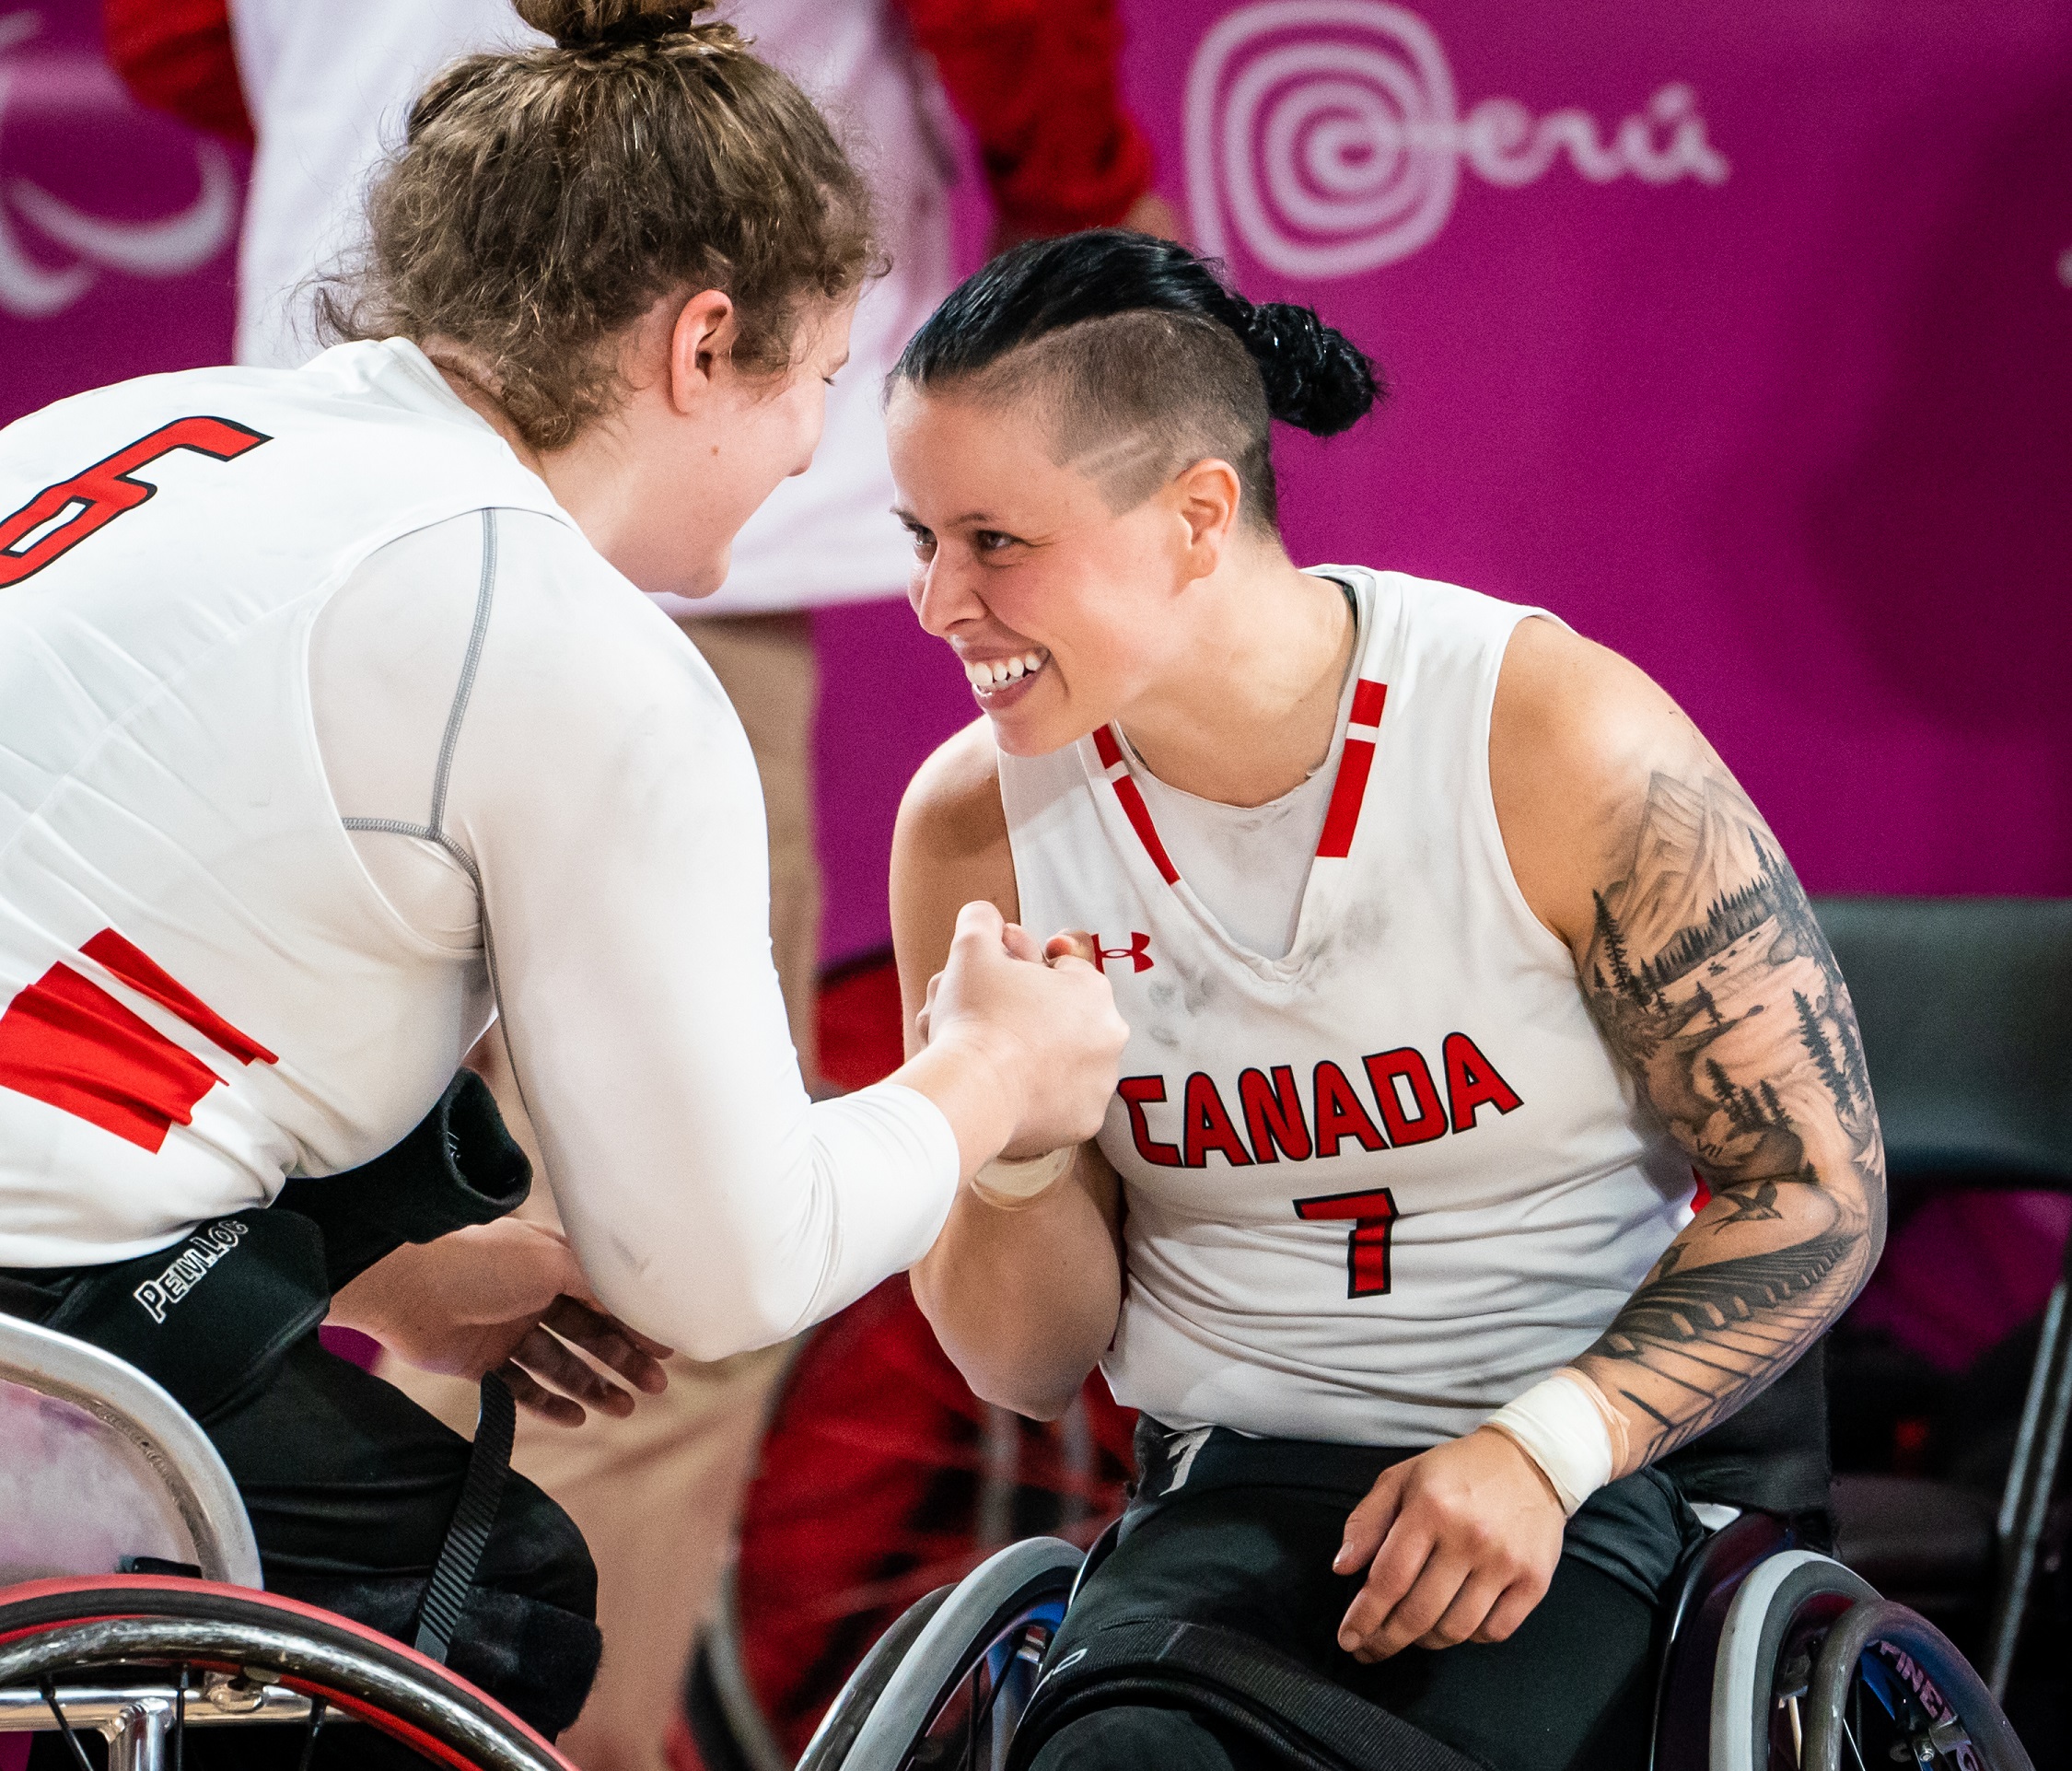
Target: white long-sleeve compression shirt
(597, 835)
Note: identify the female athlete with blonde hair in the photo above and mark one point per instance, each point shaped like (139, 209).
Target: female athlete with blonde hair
(1450, 949)
(331, 715)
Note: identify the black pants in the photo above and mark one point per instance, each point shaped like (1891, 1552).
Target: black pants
(350, 1486)
(1246, 1542)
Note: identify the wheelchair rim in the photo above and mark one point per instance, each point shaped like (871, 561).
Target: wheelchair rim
(1930, 1676)
(882, 1477)
(852, 1706)
(171, 1624)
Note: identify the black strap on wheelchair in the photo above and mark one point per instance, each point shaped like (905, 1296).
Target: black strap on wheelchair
(446, 1595)
(1235, 1679)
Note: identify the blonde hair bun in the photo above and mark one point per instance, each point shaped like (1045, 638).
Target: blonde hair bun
(607, 24)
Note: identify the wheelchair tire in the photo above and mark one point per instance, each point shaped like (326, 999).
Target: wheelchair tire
(1938, 1708)
(58, 1629)
(1786, 1597)
(970, 1669)
(852, 1706)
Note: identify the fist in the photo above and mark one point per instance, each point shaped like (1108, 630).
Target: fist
(1046, 1017)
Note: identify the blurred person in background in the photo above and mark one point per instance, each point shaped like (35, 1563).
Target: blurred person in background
(320, 91)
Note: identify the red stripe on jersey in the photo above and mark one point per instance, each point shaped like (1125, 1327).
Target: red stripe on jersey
(1347, 793)
(1110, 753)
(142, 975)
(66, 1041)
(1147, 832)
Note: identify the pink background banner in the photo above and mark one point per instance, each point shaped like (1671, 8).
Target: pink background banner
(1741, 339)
(118, 228)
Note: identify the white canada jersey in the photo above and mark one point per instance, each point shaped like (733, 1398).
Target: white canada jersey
(1378, 1187)
(202, 990)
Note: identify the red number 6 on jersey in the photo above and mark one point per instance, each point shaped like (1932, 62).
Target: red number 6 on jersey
(60, 517)
(1373, 1213)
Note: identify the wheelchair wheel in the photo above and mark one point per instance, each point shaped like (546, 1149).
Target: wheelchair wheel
(1815, 1672)
(1889, 1686)
(148, 1660)
(881, 1478)
(946, 1684)
(853, 1705)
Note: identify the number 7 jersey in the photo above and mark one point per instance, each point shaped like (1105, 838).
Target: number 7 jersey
(1378, 1187)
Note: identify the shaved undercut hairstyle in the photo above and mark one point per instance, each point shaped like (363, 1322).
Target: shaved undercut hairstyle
(1145, 362)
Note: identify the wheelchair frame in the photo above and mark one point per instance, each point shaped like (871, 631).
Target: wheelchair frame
(165, 1652)
(1753, 1616)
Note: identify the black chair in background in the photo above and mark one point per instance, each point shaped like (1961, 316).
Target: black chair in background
(1965, 1005)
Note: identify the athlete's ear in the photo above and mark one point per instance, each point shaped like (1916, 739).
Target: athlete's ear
(701, 339)
(1208, 495)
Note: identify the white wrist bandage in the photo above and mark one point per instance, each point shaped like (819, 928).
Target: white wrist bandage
(1009, 1184)
(1561, 1426)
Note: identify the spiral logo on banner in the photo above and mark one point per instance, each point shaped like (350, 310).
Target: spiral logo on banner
(1327, 136)
(166, 248)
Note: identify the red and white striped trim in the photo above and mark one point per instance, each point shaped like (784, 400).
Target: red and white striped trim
(1348, 792)
(1109, 749)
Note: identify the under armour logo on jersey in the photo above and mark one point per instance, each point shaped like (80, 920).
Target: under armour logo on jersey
(1138, 953)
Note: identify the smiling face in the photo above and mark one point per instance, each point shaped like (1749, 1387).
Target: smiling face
(1062, 610)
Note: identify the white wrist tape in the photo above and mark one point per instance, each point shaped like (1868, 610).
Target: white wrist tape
(1558, 1425)
(1009, 1184)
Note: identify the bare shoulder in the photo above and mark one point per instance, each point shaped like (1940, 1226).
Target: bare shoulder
(1577, 736)
(952, 813)
(949, 848)
(1574, 703)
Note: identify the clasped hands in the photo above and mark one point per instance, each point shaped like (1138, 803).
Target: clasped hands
(508, 1297)
(1459, 1542)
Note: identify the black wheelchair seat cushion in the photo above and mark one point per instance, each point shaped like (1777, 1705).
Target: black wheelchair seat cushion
(1295, 1716)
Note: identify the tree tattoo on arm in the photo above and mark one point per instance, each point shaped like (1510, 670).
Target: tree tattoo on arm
(1717, 992)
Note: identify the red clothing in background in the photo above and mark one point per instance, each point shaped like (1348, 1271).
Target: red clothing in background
(175, 55)
(1036, 80)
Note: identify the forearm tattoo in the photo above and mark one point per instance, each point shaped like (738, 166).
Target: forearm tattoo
(1717, 990)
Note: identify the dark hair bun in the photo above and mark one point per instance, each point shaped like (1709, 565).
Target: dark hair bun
(607, 24)
(1317, 379)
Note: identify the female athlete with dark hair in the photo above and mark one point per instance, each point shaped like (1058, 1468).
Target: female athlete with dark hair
(332, 714)
(1449, 950)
